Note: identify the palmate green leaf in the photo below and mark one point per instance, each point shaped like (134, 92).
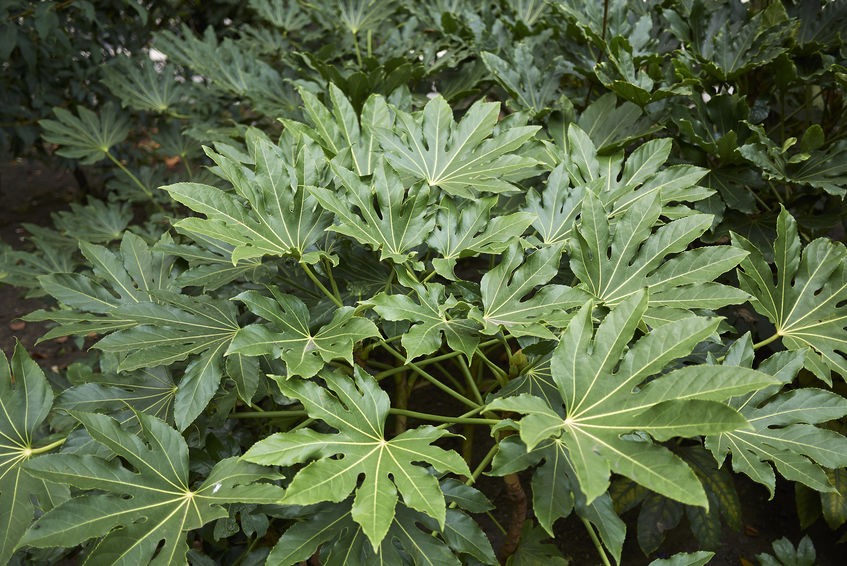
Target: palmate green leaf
(462, 159)
(351, 141)
(380, 212)
(700, 558)
(614, 261)
(787, 555)
(289, 334)
(468, 228)
(532, 84)
(96, 222)
(555, 492)
(783, 427)
(167, 333)
(556, 208)
(282, 217)
(430, 320)
(153, 504)
(210, 263)
(142, 86)
(532, 549)
(804, 301)
(25, 400)
(600, 405)
(357, 409)
(88, 137)
(505, 288)
(342, 541)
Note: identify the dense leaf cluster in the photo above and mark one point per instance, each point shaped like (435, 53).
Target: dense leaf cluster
(356, 254)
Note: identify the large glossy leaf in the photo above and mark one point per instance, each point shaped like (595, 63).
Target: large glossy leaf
(25, 400)
(430, 320)
(462, 159)
(783, 433)
(613, 261)
(282, 219)
(393, 223)
(357, 409)
(805, 299)
(531, 82)
(153, 501)
(603, 399)
(506, 287)
(289, 334)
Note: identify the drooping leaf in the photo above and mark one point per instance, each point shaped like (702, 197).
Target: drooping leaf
(153, 504)
(784, 433)
(462, 159)
(804, 300)
(25, 401)
(599, 405)
(290, 336)
(357, 409)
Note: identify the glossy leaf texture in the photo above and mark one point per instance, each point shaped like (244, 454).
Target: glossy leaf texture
(357, 409)
(600, 407)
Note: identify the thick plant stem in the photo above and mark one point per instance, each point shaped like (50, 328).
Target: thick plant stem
(401, 398)
(333, 284)
(502, 376)
(766, 341)
(596, 541)
(517, 496)
(47, 448)
(321, 286)
(430, 378)
(440, 418)
(419, 363)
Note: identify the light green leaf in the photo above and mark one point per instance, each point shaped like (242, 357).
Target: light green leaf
(290, 336)
(281, 219)
(467, 228)
(393, 223)
(556, 208)
(505, 287)
(804, 301)
(153, 504)
(357, 409)
(462, 159)
(25, 400)
(601, 404)
(430, 319)
(613, 261)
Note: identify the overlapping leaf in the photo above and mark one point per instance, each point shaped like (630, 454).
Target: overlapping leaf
(152, 502)
(599, 408)
(88, 137)
(398, 221)
(357, 409)
(290, 336)
(430, 320)
(25, 400)
(506, 287)
(614, 261)
(783, 430)
(462, 159)
(286, 219)
(805, 300)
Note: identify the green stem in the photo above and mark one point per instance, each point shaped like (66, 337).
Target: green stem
(429, 276)
(502, 376)
(130, 175)
(370, 43)
(766, 341)
(482, 465)
(187, 166)
(358, 52)
(48, 448)
(441, 418)
(596, 541)
(428, 377)
(321, 286)
(328, 269)
(466, 371)
(470, 413)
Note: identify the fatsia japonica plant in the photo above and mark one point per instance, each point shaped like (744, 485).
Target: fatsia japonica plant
(444, 282)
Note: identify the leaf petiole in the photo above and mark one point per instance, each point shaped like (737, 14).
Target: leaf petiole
(47, 448)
